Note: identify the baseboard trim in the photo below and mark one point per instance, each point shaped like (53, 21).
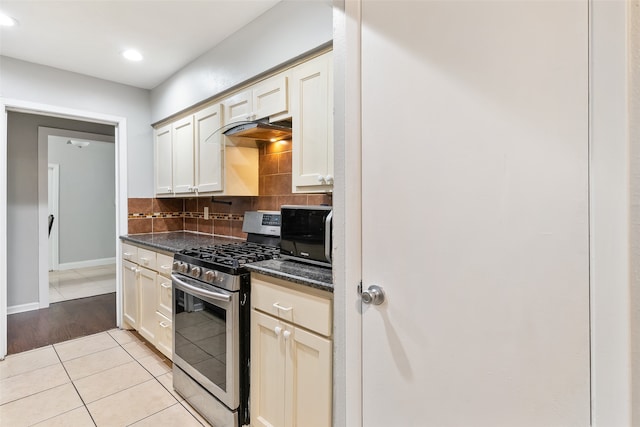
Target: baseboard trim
(86, 264)
(21, 308)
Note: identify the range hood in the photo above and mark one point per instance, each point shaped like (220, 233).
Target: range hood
(260, 131)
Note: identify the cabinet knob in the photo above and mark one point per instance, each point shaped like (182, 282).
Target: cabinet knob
(286, 335)
(277, 330)
(320, 179)
(329, 179)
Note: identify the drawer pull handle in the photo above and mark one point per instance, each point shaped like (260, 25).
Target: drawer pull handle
(127, 254)
(279, 307)
(165, 267)
(164, 324)
(166, 285)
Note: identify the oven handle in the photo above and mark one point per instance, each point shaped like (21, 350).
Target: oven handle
(199, 292)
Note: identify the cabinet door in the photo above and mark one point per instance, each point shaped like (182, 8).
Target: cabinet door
(210, 150)
(164, 335)
(183, 155)
(312, 125)
(147, 320)
(130, 293)
(267, 371)
(270, 97)
(238, 108)
(308, 391)
(164, 296)
(163, 164)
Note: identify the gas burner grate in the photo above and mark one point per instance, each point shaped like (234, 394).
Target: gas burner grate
(234, 255)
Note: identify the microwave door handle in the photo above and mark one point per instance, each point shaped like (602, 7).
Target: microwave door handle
(327, 236)
(199, 292)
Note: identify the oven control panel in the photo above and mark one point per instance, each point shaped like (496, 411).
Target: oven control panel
(262, 222)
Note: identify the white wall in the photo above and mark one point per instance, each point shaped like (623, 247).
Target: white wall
(288, 30)
(87, 211)
(25, 81)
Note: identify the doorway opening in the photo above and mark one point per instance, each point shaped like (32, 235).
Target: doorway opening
(81, 214)
(23, 229)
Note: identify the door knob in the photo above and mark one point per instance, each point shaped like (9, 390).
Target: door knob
(374, 295)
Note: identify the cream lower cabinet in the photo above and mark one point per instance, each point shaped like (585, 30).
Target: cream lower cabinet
(130, 293)
(164, 309)
(291, 355)
(147, 295)
(147, 283)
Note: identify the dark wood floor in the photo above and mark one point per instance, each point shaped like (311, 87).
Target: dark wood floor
(62, 321)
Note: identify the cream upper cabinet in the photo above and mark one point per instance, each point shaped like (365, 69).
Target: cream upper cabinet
(183, 155)
(291, 354)
(203, 160)
(238, 108)
(312, 120)
(268, 98)
(209, 150)
(163, 161)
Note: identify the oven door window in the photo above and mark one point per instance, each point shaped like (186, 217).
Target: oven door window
(203, 335)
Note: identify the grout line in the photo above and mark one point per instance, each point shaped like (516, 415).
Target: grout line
(74, 387)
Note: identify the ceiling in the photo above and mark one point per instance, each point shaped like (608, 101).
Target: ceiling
(88, 36)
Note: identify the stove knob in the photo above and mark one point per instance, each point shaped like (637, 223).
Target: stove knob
(210, 275)
(184, 267)
(195, 272)
(176, 265)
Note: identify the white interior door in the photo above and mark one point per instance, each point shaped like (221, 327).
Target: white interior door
(53, 185)
(475, 213)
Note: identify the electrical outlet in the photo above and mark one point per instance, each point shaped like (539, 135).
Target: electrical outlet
(206, 212)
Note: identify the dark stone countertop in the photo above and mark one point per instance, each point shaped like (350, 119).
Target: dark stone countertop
(174, 241)
(298, 272)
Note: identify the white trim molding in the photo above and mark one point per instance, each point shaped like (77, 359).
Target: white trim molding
(86, 264)
(23, 308)
(609, 214)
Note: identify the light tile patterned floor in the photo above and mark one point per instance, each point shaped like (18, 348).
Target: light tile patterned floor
(108, 379)
(81, 283)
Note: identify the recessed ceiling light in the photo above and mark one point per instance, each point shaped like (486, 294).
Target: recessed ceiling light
(7, 21)
(132, 55)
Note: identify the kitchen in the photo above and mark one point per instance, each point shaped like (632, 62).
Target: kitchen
(611, 376)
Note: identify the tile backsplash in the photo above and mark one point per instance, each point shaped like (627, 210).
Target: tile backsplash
(226, 214)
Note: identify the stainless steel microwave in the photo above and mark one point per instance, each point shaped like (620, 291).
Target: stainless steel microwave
(305, 233)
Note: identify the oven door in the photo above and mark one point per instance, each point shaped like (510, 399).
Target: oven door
(206, 337)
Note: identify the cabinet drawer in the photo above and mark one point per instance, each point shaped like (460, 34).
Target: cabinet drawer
(130, 253)
(164, 335)
(147, 258)
(311, 309)
(165, 296)
(164, 263)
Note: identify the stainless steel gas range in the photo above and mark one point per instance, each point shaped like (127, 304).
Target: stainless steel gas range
(211, 301)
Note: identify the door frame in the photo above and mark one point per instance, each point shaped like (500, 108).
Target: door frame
(120, 124)
(609, 228)
(53, 182)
